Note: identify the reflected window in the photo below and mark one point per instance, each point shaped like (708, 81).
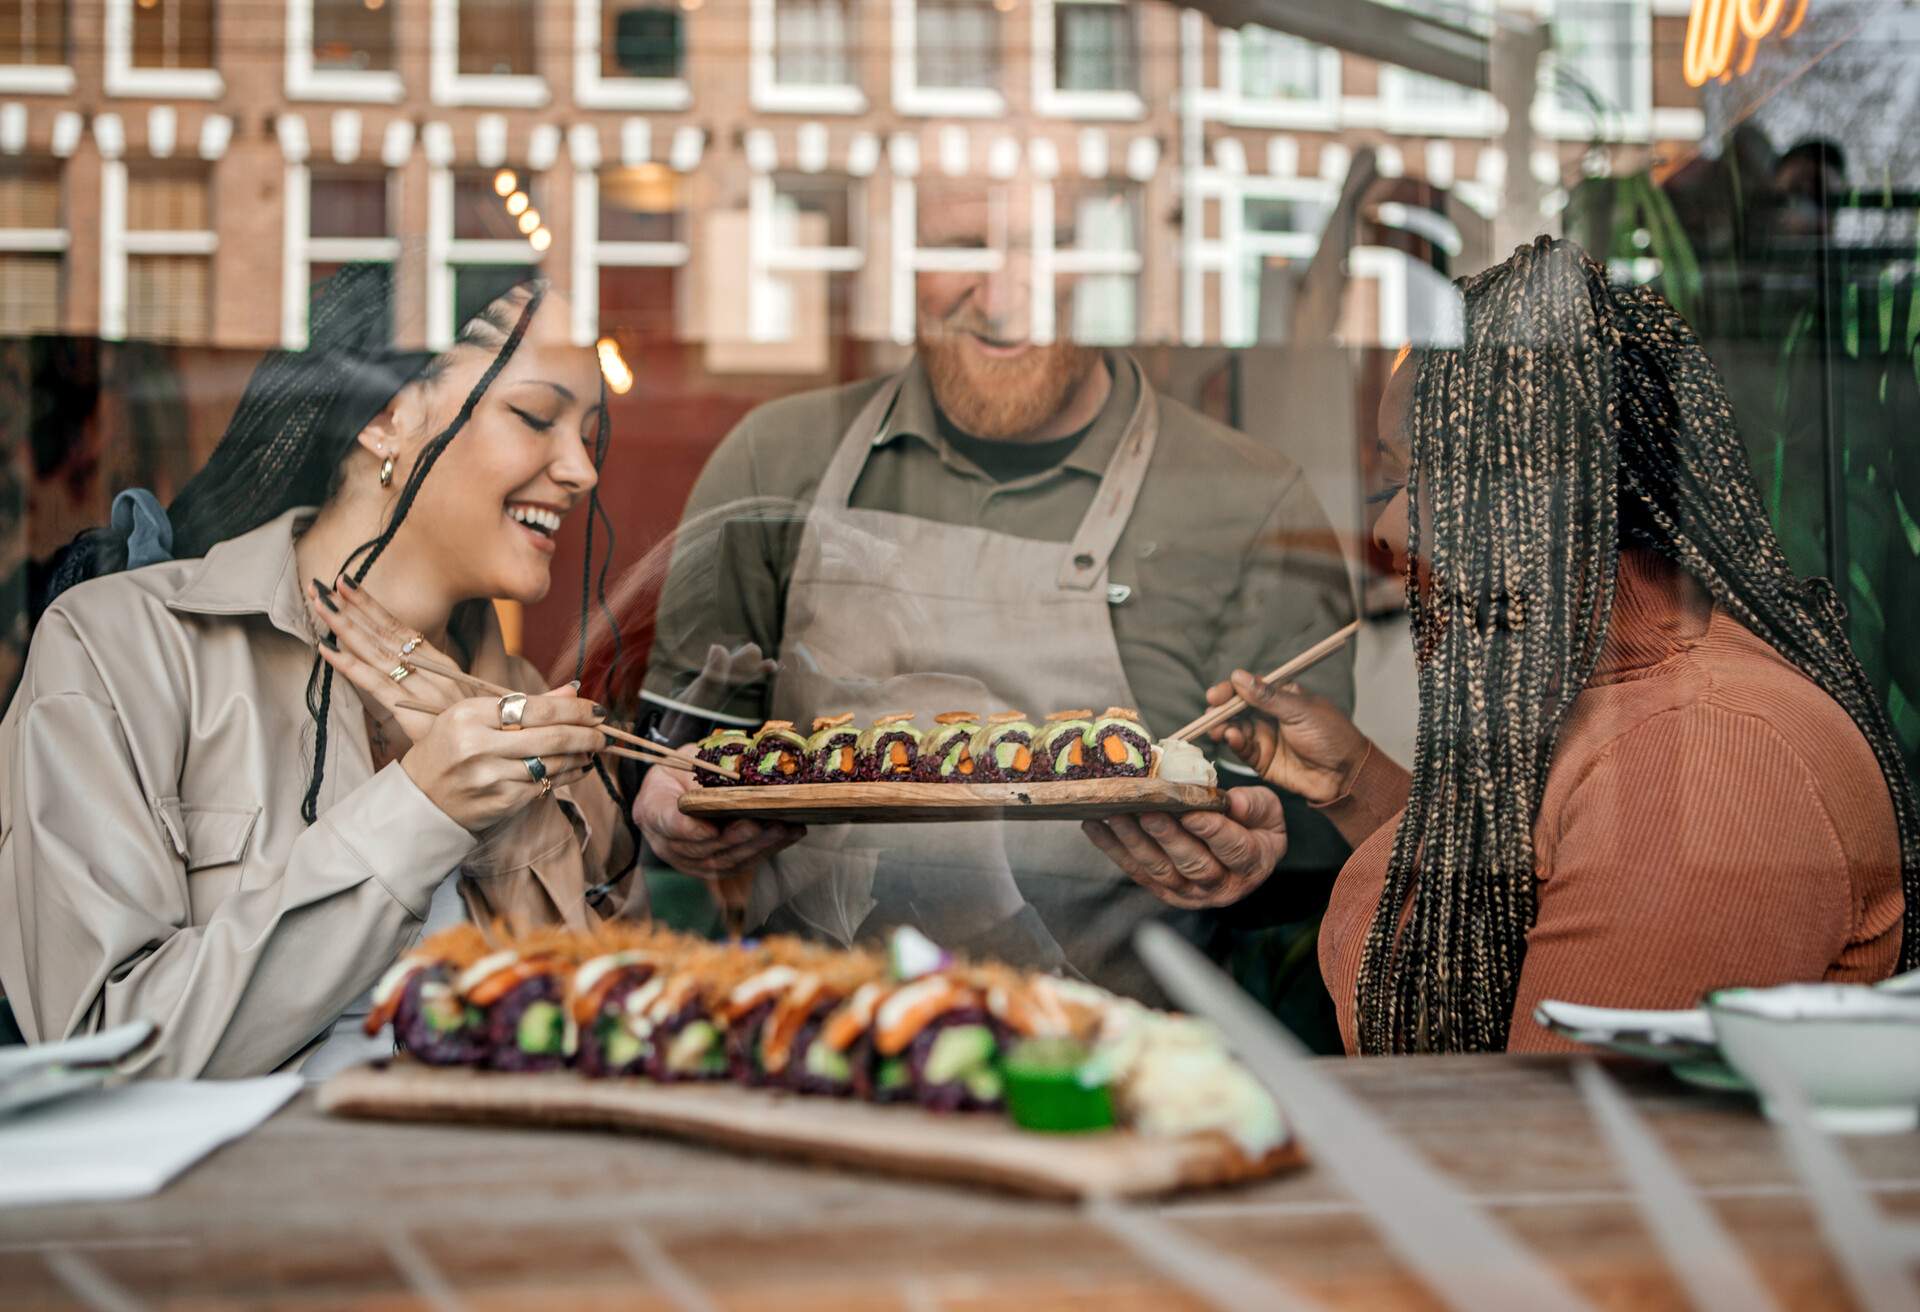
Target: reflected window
(1419, 91)
(498, 37)
(1275, 66)
(812, 43)
(31, 248)
(353, 36)
(1097, 244)
(1602, 45)
(641, 205)
(33, 32)
(481, 212)
(348, 203)
(170, 245)
(476, 286)
(813, 210)
(1093, 46)
(168, 198)
(1280, 229)
(173, 34)
(957, 44)
(641, 40)
(321, 270)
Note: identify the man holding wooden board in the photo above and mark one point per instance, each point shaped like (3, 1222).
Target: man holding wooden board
(1007, 523)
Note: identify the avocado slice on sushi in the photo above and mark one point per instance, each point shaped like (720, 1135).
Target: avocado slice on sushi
(1003, 747)
(723, 747)
(778, 756)
(946, 755)
(1118, 746)
(834, 750)
(890, 749)
(1060, 751)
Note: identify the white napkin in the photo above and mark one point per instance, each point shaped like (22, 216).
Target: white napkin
(130, 1141)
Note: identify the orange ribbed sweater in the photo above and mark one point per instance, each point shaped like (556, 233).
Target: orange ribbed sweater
(1711, 818)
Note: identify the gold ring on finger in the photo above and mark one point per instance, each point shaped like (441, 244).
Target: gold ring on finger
(546, 787)
(400, 672)
(406, 648)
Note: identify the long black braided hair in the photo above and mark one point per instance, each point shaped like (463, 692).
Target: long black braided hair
(1576, 418)
(289, 437)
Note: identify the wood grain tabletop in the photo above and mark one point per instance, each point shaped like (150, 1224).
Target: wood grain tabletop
(312, 1212)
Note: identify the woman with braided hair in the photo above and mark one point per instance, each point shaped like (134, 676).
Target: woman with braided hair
(234, 792)
(1648, 763)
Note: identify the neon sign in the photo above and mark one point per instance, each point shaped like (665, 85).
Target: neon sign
(1716, 26)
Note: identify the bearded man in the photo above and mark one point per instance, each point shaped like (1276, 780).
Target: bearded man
(1006, 524)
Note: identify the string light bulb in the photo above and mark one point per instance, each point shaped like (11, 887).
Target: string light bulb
(517, 203)
(506, 184)
(529, 221)
(540, 239)
(613, 367)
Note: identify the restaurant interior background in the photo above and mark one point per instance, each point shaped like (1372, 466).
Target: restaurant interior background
(1264, 198)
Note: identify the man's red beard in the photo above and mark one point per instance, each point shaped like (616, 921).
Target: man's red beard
(1002, 398)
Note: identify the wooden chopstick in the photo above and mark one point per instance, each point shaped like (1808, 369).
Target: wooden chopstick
(654, 754)
(618, 735)
(1300, 664)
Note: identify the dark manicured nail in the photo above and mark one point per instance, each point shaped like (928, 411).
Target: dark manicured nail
(345, 584)
(600, 710)
(330, 642)
(325, 594)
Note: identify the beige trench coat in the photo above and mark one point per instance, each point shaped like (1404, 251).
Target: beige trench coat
(153, 861)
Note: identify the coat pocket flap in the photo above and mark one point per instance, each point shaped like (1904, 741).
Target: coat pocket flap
(217, 835)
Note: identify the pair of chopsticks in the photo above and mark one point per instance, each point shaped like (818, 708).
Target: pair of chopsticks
(637, 749)
(1300, 664)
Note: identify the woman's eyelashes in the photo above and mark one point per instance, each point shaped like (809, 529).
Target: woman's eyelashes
(533, 421)
(1385, 494)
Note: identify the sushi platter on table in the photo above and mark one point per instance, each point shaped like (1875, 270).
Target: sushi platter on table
(908, 1061)
(1074, 765)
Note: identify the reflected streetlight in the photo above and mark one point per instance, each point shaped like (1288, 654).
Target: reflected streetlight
(518, 202)
(505, 184)
(613, 367)
(540, 239)
(529, 221)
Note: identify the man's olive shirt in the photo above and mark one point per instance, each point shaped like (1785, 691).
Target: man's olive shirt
(1228, 560)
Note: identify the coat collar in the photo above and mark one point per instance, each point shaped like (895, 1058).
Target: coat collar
(254, 574)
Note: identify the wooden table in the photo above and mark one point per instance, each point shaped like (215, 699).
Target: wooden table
(312, 1213)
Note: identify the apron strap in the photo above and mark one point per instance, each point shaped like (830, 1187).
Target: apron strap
(850, 457)
(1085, 563)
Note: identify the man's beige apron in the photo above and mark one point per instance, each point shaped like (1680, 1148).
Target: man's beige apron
(888, 612)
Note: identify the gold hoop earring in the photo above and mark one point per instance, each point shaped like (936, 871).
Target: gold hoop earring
(386, 472)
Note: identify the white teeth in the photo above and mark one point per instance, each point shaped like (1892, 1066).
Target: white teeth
(547, 521)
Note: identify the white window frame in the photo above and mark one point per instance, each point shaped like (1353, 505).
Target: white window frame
(1230, 104)
(452, 87)
(41, 79)
(1225, 256)
(304, 250)
(1050, 261)
(768, 258)
(1479, 116)
(1635, 123)
(909, 97)
(595, 90)
(120, 78)
(444, 250)
(1050, 101)
(766, 92)
(41, 241)
(372, 86)
(590, 254)
(118, 243)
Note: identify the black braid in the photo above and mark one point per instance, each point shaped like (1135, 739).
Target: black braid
(1574, 417)
(320, 706)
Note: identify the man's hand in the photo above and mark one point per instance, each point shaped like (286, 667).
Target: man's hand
(692, 845)
(1202, 859)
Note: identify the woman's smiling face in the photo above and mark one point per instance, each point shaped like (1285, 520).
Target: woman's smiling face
(489, 511)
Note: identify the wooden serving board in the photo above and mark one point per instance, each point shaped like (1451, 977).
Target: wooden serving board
(888, 803)
(963, 1148)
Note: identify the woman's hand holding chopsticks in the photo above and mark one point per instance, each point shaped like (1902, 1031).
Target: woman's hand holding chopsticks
(1291, 738)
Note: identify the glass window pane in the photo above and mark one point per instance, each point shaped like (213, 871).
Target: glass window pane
(29, 294)
(1093, 47)
(33, 32)
(1285, 214)
(640, 204)
(1275, 66)
(30, 194)
(641, 40)
(1599, 43)
(476, 286)
(318, 273)
(352, 35)
(345, 203)
(795, 194)
(639, 302)
(498, 36)
(168, 297)
(811, 40)
(481, 213)
(957, 44)
(173, 34)
(167, 198)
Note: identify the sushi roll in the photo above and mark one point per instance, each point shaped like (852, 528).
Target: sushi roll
(1002, 748)
(723, 747)
(889, 750)
(834, 750)
(1118, 746)
(417, 995)
(940, 1027)
(1060, 752)
(946, 755)
(846, 1042)
(520, 992)
(791, 1050)
(684, 1010)
(604, 1033)
(778, 755)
